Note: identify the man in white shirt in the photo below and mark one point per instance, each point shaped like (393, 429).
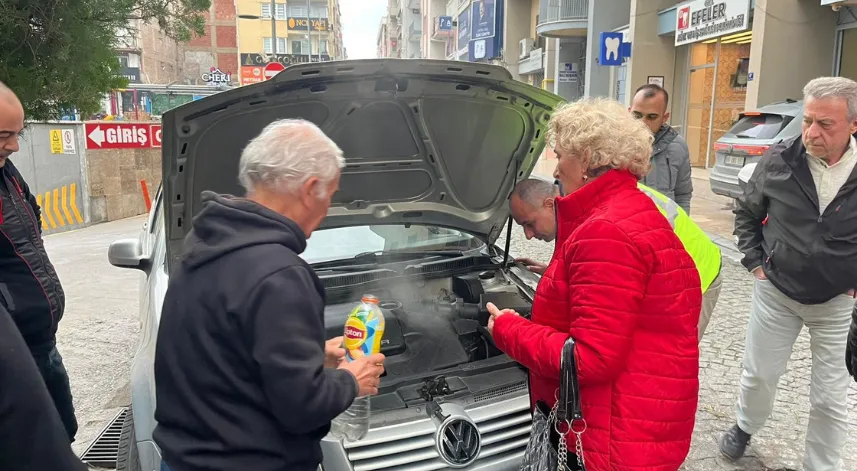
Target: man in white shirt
(796, 227)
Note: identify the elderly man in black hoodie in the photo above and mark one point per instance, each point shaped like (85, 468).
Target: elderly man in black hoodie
(244, 378)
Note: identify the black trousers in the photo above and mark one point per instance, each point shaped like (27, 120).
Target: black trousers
(56, 379)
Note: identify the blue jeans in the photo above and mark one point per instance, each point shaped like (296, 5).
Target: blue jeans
(165, 466)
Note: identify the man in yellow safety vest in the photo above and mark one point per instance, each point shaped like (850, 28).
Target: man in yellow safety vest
(532, 206)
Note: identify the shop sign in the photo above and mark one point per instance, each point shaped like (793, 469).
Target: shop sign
(483, 19)
(300, 24)
(532, 64)
(463, 32)
(130, 73)
(699, 20)
(215, 76)
(256, 60)
(252, 74)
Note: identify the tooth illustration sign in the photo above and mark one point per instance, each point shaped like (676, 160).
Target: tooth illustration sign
(612, 45)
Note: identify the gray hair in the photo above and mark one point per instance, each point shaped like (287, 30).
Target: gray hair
(287, 153)
(834, 87)
(535, 190)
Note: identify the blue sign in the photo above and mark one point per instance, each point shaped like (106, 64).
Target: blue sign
(484, 18)
(751, 76)
(463, 31)
(444, 23)
(611, 49)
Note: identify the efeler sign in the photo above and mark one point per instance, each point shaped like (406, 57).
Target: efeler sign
(300, 24)
(698, 20)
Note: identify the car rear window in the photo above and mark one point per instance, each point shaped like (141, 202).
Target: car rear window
(762, 126)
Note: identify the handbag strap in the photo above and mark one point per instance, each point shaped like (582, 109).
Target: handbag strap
(568, 404)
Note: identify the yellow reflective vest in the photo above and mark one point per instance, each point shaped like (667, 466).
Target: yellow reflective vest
(704, 252)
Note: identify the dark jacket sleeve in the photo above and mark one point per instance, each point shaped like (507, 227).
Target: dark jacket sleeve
(287, 326)
(679, 152)
(751, 209)
(28, 195)
(31, 433)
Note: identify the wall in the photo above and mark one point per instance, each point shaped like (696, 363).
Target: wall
(651, 55)
(114, 176)
(782, 31)
(218, 47)
(604, 15)
(570, 51)
(161, 62)
(55, 178)
(517, 25)
(75, 186)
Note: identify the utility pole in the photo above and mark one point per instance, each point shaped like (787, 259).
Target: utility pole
(309, 30)
(274, 29)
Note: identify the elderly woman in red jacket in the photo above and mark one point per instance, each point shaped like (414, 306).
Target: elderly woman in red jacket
(622, 286)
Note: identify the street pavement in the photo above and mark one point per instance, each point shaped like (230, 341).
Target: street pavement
(98, 336)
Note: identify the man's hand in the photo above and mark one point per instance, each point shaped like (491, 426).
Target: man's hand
(495, 313)
(532, 265)
(760, 274)
(333, 352)
(368, 372)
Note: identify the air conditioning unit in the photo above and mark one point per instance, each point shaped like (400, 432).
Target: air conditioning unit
(526, 46)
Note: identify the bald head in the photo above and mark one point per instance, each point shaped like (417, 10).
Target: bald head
(532, 206)
(11, 123)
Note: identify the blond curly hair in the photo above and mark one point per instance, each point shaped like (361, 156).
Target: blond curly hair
(603, 131)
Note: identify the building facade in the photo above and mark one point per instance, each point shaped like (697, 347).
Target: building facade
(215, 53)
(288, 32)
(401, 30)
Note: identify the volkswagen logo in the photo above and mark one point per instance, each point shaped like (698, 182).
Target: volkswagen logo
(458, 442)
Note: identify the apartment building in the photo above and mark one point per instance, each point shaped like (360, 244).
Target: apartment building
(400, 30)
(288, 32)
(215, 53)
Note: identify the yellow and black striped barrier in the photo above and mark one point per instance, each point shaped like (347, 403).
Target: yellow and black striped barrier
(59, 208)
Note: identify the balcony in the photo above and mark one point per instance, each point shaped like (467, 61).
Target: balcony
(415, 30)
(395, 8)
(441, 32)
(563, 18)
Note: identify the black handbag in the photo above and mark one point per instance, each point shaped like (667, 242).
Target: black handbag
(566, 416)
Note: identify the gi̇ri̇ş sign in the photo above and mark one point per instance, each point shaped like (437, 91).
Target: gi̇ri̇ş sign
(698, 20)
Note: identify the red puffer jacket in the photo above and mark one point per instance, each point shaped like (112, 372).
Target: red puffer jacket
(621, 284)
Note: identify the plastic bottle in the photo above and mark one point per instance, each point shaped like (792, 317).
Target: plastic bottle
(364, 330)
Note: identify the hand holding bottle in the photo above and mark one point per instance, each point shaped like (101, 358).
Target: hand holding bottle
(367, 370)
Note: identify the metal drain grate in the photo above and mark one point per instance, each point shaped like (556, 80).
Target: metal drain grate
(103, 451)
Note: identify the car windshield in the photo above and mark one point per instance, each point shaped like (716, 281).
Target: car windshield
(346, 242)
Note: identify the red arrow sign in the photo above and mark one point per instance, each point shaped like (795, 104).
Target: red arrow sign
(155, 132)
(118, 135)
(272, 69)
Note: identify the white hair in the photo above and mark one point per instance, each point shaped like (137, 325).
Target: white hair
(286, 154)
(834, 87)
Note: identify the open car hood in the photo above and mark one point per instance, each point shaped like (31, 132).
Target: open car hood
(429, 142)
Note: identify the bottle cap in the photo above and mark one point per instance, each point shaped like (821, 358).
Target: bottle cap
(368, 298)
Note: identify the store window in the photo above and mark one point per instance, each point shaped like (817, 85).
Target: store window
(716, 93)
(323, 47)
(848, 54)
(300, 46)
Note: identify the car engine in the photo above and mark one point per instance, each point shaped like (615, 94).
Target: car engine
(434, 324)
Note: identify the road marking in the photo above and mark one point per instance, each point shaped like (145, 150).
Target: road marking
(46, 211)
(65, 205)
(57, 207)
(74, 204)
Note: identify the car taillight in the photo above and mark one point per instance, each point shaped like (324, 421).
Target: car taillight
(719, 146)
(751, 150)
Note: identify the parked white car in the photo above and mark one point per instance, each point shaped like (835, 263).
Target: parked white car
(433, 151)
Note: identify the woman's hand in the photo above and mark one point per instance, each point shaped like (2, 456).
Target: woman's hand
(333, 352)
(495, 313)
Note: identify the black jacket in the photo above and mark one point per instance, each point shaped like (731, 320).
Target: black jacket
(239, 366)
(851, 346)
(810, 257)
(32, 437)
(29, 287)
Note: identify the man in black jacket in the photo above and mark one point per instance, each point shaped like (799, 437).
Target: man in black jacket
(32, 436)
(29, 287)
(244, 378)
(797, 228)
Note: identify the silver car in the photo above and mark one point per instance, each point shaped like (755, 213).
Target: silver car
(433, 151)
(748, 139)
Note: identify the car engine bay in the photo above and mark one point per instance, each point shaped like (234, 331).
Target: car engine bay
(433, 324)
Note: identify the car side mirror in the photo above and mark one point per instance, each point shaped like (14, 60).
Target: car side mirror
(128, 253)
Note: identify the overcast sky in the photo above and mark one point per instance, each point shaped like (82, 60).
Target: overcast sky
(360, 21)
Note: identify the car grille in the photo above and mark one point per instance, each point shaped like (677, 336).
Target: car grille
(504, 427)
